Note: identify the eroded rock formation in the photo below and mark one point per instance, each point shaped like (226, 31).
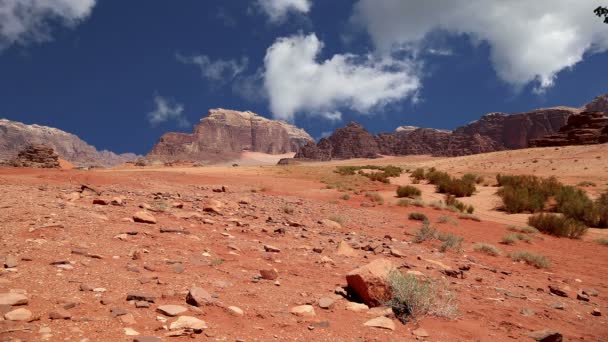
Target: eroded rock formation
(38, 156)
(585, 128)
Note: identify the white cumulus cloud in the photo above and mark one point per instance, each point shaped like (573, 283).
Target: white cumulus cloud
(296, 82)
(27, 21)
(167, 110)
(277, 10)
(530, 41)
(216, 70)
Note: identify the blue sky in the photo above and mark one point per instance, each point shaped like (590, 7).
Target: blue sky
(121, 73)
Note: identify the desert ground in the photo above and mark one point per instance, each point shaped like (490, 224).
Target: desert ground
(258, 240)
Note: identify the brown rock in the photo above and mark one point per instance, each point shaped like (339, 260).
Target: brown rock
(144, 217)
(546, 336)
(147, 297)
(345, 249)
(559, 291)
(60, 314)
(269, 274)
(171, 310)
(20, 314)
(585, 128)
(198, 297)
(370, 282)
(381, 322)
(13, 299)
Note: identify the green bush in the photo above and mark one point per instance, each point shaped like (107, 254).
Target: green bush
(377, 176)
(526, 193)
(408, 191)
(601, 208)
(418, 217)
(450, 242)
(414, 298)
(535, 260)
(574, 203)
(456, 187)
(418, 174)
(557, 225)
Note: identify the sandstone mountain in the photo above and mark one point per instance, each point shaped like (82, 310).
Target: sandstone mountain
(492, 132)
(15, 136)
(224, 134)
(586, 128)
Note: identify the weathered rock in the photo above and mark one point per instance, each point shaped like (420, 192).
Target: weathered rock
(144, 217)
(558, 291)
(171, 310)
(420, 332)
(546, 335)
(147, 339)
(356, 307)
(303, 311)
(591, 292)
(213, 206)
(188, 322)
(269, 274)
(326, 303)
(13, 299)
(20, 314)
(584, 128)
(60, 314)
(198, 297)
(331, 224)
(596, 312)
(10, 261)
(271, 249)
(38, 156)
(381, 322)
(370, 282)
(141, 296)
(224, 134)
(235, 311)
(345, 249)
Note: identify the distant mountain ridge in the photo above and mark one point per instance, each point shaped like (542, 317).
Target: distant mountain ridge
(492, 132)
(14, 136)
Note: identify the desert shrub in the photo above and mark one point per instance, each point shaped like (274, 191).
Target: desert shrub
(447, 219)
(526, 230)
(574, 203)
(451, 201)
(346, 170)
(418, 174)
(511, 239)
(377, 177)
(408, 191)
(469, 217)
(456, 187)
(557, 225)
(450, 242)
(437, 205)
(337, 219)
(487, 248)
(586, 184)
(392, 171)
(426, 232)
(538, 261)
(404, 202)
(418, 203)
(413, 298)
(526, 193)
(435, 177)
(602, 241)
(345, 197)
(374, 197)
(601, 208)
(287, 209)
(418, 216)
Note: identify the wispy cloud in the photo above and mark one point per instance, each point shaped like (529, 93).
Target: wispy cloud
(278, 10)
(220, 70)
(28, 21)
(167, 110)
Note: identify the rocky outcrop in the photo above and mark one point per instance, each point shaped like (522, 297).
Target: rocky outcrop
(38, 156)
(585, 128)
(15, 136)
(492, 132)
(224, 134)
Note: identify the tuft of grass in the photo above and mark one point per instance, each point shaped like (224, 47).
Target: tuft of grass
(418, 217)
(450, 242)
(602, 241)
(337, 219)
(511, 239)
(287, 209)
(375, 197)
(217, 262)
(438, 205)
(345, 197)
(487, 248)
(418, 203)
(413, 298)
(447, 219)
(427, 232)
(408, 191)
(586, 184)
(404, 202)
(469, 217)
(558, 225)
(525, 230)
(536, 260)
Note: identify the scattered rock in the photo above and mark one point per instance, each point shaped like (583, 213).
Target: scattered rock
(269, 274)
(558, 291)
(527, 312)
(381, 322)
(271, 249)
(213, 206)
(582, 297)
(141, 296)
(420, 332)
(546, 335)
(144, 217)
(596, 312)
(370, 282)
(130, 332)
(20, 314)
(591, 292)
(345, 249)
(60, 314)
(10, 261)
(198, 297)
(189, 322)
(171, 310)
(13, 299)
(326, 303)
(331, 224)
(303, 311)
(356, 307)
(236, 311)
(100, 201)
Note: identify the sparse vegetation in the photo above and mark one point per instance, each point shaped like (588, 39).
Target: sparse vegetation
(408, 191)
(445, 184)
(404, 202)
(418, 217)
(469, 217)
(427, 232)
(451, 201)
(287, 209)
(538, 261)
(585, 184)
(217, 262)
(447, 219)
(450, 242)
(557, 225)
(487, 248)
(418, 174)
(511, 239)
(525, 230)
(602, 241)
(345, 197)
(382, 175)
(374, 197)
(337, 219)
(413, 298)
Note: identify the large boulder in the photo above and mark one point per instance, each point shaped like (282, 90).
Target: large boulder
(37, 156)
(371, 282)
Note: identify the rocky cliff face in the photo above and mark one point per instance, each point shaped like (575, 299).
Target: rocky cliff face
(224, 134)
(582, 129)
(492, 132)
(15, 136)
(38, 156)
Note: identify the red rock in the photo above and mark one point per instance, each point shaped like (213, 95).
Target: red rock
(370, 282)
(198, 297)
(269, 274)
(144, 217)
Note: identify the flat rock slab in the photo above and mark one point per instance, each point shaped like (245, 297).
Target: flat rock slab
(141, 296)
(171, 310)
(144, 217)
(188, 322)
(381, 322)
(546, 335)
(147, 339)
(303, 311)
(13, 299)
(198, 297)
(20, 314)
